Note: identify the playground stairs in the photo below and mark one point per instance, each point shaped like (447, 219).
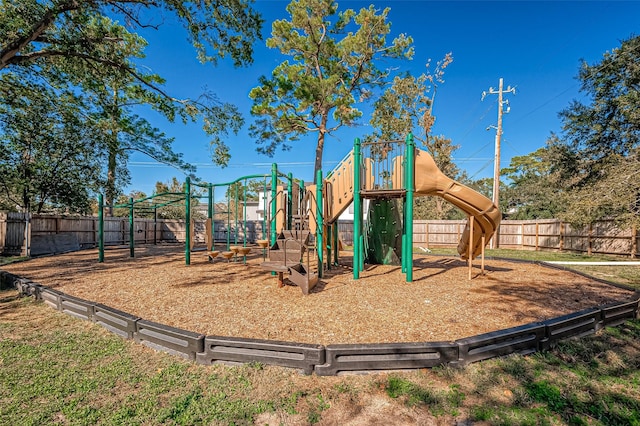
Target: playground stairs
(286, 256)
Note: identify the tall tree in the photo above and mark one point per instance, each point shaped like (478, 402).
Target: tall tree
(599, 151)
(333, 65)
(407, 106)
(71, 44)
(47, 152)
(533, 191)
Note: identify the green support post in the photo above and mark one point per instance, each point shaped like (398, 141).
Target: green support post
(100, 228)
(235, 234)
(187, 208)
(336, 244)
(131, 232)
(210, 201)
(274, 206)
(410, 185)
(329, 235)
(244, 217)
(320, 220)
(289, 199)
(211, 214)
(228, 217)
(264, 214)
(155, 226)
(405, 179)
(357, 210)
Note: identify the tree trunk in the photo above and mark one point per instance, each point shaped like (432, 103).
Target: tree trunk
(111, 179)
(320, 146)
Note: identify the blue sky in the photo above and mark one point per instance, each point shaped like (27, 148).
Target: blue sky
(535, 47)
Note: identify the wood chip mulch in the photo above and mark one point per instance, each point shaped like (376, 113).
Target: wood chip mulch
(242, 300)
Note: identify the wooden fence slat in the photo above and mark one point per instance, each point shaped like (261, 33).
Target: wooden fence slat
(603, 237)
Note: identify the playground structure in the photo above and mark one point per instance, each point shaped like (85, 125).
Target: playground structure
(300, 235)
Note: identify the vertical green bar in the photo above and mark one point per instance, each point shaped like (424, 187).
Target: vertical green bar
(244, 217)
(357, 210)
(210, 201)
(228, 217)
(405, 179)
(264, 210)
(336, 244)
(410, 185)
(100, 228)
(329, 235)
(187, 208)
(131, 233)
(319, 228)
(274, 204)
(235, 234)
(155, 226)
(289, 199)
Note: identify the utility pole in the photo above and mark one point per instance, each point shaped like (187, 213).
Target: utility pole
(496, 161)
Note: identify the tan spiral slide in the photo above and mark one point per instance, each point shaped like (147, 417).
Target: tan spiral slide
(429, 180)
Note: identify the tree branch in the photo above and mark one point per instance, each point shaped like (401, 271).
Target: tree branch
(17, 45)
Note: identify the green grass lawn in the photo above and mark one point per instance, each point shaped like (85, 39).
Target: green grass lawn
(621, 274)
(55, 369)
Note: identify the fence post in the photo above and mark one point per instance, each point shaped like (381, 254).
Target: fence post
(27, 234)
(131, 229)
(537, 234)
(589, 241)
(187, 208)
(634, 241)
(561, 244)
(100, 228)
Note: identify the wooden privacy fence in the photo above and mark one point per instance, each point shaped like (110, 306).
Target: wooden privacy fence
(604, 237)
(76, 232)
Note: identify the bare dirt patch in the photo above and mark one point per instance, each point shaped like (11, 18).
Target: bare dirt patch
(242, 300)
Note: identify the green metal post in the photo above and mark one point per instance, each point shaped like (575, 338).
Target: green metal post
(264, 210)
(131, 232)
(228, 217)
(319, 228)
(329, 235)
(100, 228)
(274, 207)
(187, 208)
(235, 234)
(336, 244)
(410, 185)
(155, 226)
(357, 210)
(244, 218)
(212, 214)
(405, 179)
(210, 201)
(244, 221)
(289, 199)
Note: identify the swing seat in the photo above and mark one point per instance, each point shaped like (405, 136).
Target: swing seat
(243, 251)
(228, 255)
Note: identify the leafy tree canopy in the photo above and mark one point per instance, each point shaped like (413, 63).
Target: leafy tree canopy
(333, 65)
(73, 46)
(599, 153)
(47, 150)
(77, 32)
